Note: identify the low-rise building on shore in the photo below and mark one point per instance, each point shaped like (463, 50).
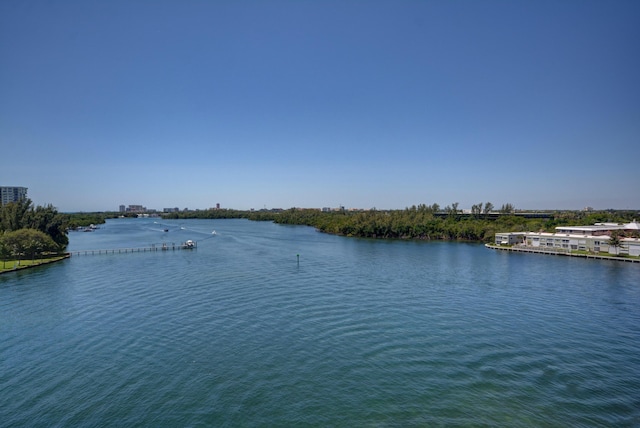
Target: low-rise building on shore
(594, 239)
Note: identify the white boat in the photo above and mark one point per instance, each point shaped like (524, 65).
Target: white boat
(90, 228)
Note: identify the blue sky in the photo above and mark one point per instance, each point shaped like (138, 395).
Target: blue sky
(384, 104)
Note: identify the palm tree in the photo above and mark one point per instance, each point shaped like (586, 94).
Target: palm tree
(614, 240)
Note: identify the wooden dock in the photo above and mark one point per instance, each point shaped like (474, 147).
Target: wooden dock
(561, 252)
(153, 248)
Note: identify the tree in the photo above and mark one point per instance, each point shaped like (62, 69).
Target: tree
(22, 215)
(13, 216)
(452, 211)
(615, 241)
(476, 210)
(488, 207)
(507, 208)
(27, 242)
(48, 220)
(4, 252)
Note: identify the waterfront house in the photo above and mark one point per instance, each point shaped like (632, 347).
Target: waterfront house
(593, 239)
(598, 228)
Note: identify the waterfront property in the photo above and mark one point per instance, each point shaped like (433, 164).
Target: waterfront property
(599, 229)
(592, 239)
(14, 265)
(359, 332)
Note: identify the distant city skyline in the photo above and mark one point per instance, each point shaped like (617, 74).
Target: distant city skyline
(285, 104)
(137, 208)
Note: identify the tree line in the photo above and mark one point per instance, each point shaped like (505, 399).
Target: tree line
(427, 222)
(28, 231)
(417, 222)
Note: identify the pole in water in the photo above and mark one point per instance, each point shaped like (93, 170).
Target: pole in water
(298, 256)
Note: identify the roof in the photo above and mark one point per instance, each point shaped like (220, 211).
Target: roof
(632, 226)
(603, 227)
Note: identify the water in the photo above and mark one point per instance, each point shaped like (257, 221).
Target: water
(358, 333)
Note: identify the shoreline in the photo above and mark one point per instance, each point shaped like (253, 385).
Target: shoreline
(557, 252)
(46, 262)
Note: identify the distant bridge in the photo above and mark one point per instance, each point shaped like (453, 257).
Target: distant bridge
(495, 215)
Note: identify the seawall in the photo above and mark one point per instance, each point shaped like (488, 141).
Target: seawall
(561, 252)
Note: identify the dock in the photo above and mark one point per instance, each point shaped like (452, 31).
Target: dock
(189, 245)
(561, 252)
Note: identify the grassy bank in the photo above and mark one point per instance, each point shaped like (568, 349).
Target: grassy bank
(13, 265)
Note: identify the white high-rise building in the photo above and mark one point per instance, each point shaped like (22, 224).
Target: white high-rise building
(12, 194)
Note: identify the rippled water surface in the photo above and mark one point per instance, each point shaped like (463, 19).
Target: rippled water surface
(356, 333)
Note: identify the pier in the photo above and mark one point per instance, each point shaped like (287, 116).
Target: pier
(561, 252)
(189, 245)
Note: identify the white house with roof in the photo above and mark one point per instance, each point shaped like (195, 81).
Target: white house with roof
(598, 228)
(594, 239)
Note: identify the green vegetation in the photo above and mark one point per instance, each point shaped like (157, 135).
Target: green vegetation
(420, 222)
(221, 214)
(9, 265)
(77, 220)
(614, 240)
(22, 215)
(428, 222)
(31, 233)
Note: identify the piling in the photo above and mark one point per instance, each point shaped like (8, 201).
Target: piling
(165, 247)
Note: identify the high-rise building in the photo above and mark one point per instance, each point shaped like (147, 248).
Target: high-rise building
(136, 209)
(12, 194)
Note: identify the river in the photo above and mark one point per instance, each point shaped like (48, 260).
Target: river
(271, 325)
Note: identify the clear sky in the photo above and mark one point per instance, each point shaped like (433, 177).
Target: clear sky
(277, 104)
